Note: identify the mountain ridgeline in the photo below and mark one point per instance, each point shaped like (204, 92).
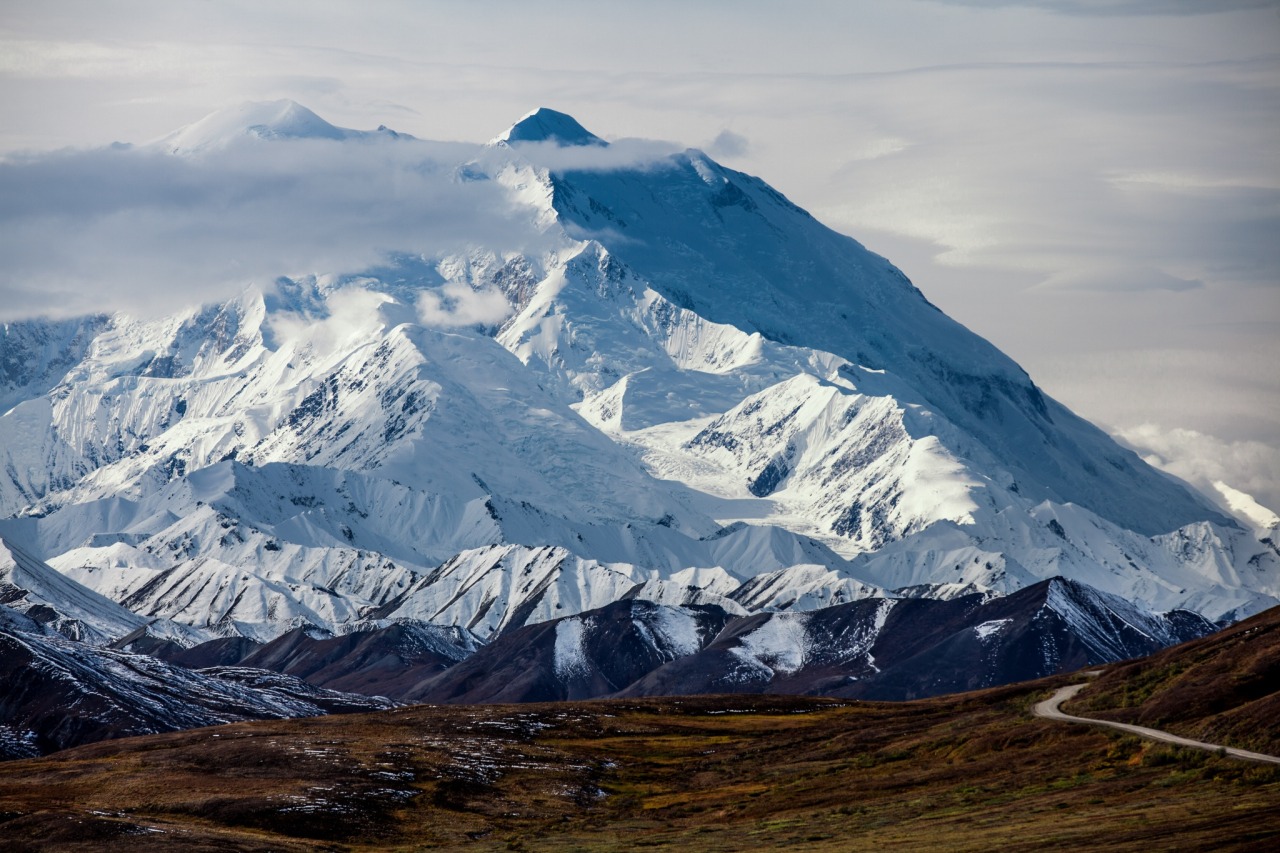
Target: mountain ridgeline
(740, 449)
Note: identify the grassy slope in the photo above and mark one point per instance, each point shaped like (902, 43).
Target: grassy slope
(972, 772)
(1224, 688)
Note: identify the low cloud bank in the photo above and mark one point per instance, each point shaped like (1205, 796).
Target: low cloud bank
(145, 231)
(139, 230)
(1209, 463)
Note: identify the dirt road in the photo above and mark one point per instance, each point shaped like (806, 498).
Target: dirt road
(1049, 709)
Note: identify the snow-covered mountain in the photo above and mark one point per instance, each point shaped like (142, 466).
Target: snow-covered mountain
(260, 120)
(33, 588)
(674, 385)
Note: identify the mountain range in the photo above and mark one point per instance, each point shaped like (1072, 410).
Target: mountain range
(664, 401)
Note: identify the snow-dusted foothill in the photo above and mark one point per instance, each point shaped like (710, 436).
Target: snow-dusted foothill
(875, 648)
(60, 693)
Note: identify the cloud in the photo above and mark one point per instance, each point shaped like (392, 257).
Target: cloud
(455, 304)
(1115, 279)
(1113, 8)
(728, 145)
(1206, 461)
(349, 314)
(628, 153)
(1033, 167)
(146, 232)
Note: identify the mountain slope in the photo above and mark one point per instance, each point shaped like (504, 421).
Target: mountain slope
(596, 653)
(59, 693)
(1224, 688)
(32, 587)
(874, 648)
(382, 661)
(731, 249)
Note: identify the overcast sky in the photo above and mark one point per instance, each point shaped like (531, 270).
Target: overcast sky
(1093, 185)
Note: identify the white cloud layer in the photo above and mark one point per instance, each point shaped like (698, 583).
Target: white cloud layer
(455, 304)
(145, 231)
(1205, 461)
(619, 154)
(1117, 8)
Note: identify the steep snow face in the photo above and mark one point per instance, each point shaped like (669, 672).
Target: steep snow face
(675, 632)
(730, 248)
(32, 587)
(546, 125)
(570, 659)
(780, 645)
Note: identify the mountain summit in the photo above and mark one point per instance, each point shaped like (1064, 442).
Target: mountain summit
(546, 125)
(283, 119)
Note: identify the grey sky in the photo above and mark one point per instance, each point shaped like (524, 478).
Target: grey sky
(1094, 185)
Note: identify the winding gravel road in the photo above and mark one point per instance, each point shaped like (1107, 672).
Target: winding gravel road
(1049, 710)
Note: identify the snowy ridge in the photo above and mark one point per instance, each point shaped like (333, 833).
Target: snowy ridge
(489, 590)
(1104, 620)
(31, 586)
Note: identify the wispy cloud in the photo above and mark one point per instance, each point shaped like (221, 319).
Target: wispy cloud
(1114, 8)
(144, 231)
(629, 153)
(1116, 279)
(456, 304)
(728, 145)
(1206, 461)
